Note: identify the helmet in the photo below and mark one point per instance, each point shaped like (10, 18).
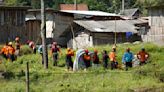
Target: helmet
(68, 49)
(86, 51)
(17, 39)
(143, 49)
(95, 51)
(10, 43)
(54, 43)
(128, 49)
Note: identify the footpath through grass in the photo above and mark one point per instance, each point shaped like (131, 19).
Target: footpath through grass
(57, 79)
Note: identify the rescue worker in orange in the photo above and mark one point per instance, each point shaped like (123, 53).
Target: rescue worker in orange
(11, 53)
(142, 56)
(69, 61)
(112, 57)
(17, 46)
(4, 51)
(87, 59)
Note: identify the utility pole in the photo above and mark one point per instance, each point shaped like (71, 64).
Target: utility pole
(43, 35)
(123, 5)
(75, 4)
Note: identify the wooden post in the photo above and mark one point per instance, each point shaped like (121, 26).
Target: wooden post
(43, 35)
(27, 78)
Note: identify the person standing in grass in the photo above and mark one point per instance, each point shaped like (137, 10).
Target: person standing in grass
(40, 51)
(17, 46)
(112, 57)
(127, 59)
(11, 53)
(54, 52)
(87, 59)
(96, 61)
(105, 59)
(4, 51)
(32, 46)
(69, 61)
(142, 56)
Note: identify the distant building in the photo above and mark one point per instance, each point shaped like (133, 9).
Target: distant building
(81, 7)
(131, 13)
(65, 18)
(156, 23)
(33, 24)
(12, 23)
(88, 33)
(1, 2)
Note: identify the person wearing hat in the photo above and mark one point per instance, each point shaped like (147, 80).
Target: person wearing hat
(17, 46)
(142, 56)
(87, 59)
(96, 61)
(113, 60)
(11, 53)
(127, 59)
(69, 61)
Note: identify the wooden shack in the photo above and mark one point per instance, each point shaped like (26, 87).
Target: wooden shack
(88, 33)
(33, 23)
(12, 23)
(156, 23)
(64, 19)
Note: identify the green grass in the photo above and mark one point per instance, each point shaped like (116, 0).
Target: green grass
(57, 79)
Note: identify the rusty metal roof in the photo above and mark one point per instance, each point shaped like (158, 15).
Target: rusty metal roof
(72, 7)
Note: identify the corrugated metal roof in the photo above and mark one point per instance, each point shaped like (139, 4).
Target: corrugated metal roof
(92, 13)
(107, 26)
(129, 12)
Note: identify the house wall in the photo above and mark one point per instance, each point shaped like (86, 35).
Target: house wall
(109, 38)
(82, 39)
(33, 30)
(50, 21)
(12, 24)
(156, 23)
(62, 23)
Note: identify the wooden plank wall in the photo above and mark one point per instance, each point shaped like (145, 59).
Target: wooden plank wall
(156, 22)
(12, 24)
(33, 30)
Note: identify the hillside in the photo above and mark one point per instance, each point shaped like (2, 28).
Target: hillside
(149, 77)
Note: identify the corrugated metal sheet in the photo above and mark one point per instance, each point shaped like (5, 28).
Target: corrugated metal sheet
(129, 12)
(91, 13)
(107, 26)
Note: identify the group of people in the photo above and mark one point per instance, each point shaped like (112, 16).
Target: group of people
(9, 51)
(93, 59)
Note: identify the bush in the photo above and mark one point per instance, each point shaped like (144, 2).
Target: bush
(25, 50)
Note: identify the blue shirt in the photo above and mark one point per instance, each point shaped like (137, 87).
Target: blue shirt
(127, 57)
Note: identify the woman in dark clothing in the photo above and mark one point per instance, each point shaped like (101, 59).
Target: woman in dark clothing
(105, 59)
(96, 61)
(87, 59)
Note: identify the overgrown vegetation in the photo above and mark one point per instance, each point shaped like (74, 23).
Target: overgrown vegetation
(57, 79)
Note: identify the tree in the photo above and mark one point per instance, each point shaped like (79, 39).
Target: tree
(11, 2)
